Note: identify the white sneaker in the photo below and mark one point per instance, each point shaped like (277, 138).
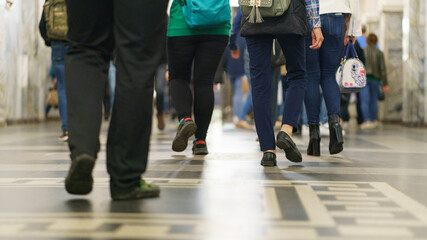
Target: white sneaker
(243, 125)
(374, 124)
(324, 130)
(64, 137)
(305, 131)
(345, 125)
(366, 125)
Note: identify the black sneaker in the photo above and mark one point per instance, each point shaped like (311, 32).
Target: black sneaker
(199, 147)
(144, 190)
(285, 143)
(79, 180)
(185, 130)
(64, 137)
(269, 159)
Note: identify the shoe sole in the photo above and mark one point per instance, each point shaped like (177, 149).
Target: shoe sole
(65, 139)
(268, 163)
(79, 180)
(291, 155)
(180, 142)
(336, 149)
(142, 195)
(196, 152)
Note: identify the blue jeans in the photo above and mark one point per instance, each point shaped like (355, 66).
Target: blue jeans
(275, 78)
(109, 95)
(323, 111)
(247, 105)
(236, 83)
(260, 48)
(112, 81)
(369, 100)
(58, 53)
(321, 68)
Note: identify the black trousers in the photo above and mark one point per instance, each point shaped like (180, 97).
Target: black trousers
(133, 29)
(206, 51)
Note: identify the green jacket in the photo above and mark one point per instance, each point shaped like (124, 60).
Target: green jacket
(375, 64)
(178, 27)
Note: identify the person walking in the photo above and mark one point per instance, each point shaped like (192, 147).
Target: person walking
(193, 53)
(238, 51)
(321, 68)
(59, 47)
(161, 83)
(377, 78)
(133, 29)
(290, 29)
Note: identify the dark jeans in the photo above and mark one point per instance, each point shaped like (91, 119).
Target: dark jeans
(321, 68)
(275, 78)
(206, 52)
(237, 96)
(259, 48)
(345, 101)
(134, 30)
(58, 54)
(369, 100)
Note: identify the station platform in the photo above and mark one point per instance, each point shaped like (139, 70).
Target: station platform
(375, 189)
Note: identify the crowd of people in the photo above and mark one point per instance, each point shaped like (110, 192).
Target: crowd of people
(117, 55)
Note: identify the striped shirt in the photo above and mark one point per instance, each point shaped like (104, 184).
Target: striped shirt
(313, 13)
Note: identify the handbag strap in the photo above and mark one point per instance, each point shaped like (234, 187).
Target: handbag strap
(353, 49)
(349, 52)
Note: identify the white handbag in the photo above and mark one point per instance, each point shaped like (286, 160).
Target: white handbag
(351, 74)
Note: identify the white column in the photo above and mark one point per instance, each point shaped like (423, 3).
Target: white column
(414, 57)
(24, 62)
(391, 44)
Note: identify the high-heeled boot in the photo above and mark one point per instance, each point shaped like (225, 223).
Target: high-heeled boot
(314, 144)
(336, 140)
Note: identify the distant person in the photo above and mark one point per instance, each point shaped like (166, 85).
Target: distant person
(236, 52)
(134, 30)
(52, 101)
(59, 47)
(377, 78)
(161, 83)
(362, 39)
(234, 68)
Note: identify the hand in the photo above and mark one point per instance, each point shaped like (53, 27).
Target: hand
(347, 39)
(235, 53)
(317, 37)
(167, 75)
(385, 89)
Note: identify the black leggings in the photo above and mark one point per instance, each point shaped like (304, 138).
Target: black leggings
(206, 51)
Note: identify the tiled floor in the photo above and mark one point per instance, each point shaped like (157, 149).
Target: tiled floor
(375, 189)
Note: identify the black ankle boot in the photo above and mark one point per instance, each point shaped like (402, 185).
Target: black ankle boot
(314, 144)
(336, 140)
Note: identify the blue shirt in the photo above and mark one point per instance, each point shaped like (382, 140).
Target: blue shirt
(363, 44)
(235, 30)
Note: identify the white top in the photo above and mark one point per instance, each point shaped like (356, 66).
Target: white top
(344, 6)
